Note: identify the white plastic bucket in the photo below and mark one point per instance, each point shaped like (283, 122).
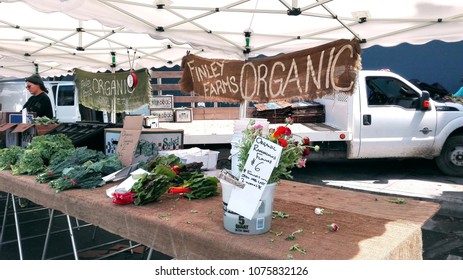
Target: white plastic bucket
(260, 223)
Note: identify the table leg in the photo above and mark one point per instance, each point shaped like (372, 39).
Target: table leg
(4, 219)
(47, 237)
(71, 232)
(18, 234)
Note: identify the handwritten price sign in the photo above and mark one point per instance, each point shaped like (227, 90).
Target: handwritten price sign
(263, 157)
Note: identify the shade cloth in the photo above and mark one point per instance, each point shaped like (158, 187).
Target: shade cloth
(370, 226)
(110, 92)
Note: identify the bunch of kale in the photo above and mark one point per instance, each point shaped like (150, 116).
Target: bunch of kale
(78, 156)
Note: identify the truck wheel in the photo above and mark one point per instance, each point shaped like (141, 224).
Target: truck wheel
(450, 160)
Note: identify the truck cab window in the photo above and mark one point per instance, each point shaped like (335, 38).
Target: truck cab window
(66, 96)
(390, 91)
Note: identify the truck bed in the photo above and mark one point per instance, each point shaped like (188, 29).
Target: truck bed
(222, 131)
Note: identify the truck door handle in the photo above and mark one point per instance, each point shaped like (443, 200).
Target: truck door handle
(425, 130)
(366, 119)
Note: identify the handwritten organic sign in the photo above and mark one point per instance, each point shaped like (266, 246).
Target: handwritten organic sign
(305, 74)
(109, 91)
(263, 156)
(128, 142)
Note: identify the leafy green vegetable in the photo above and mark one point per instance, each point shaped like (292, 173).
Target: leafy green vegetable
(168, 173)
(50, 144)
(44, 120)
(29, 162)
(169, 160)
(77, 177)
(79, 156)
(202, 187)
(9, 156)
(107, 165)
(151, 186)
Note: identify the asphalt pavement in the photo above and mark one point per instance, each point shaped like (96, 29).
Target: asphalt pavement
(410, 179)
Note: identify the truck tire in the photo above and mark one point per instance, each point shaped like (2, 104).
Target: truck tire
(450, 161)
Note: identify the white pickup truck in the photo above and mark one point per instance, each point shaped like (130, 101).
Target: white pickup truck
(385, 117)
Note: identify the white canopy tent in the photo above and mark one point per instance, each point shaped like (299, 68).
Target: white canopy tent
(58, 35)
(56, 43)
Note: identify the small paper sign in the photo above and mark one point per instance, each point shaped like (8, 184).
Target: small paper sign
(263, 157)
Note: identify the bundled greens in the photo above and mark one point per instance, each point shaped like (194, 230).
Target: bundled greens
(106, 166)
(77, 177)
(78, 157)
(151, 186)
(9, 156)
(50, 144)
(30, 162)
(168, 173)
(201, 187)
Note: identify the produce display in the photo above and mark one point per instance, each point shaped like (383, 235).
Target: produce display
(169, 174)
(9, 156)
(53, 159)
(78, 157)
(77, 177)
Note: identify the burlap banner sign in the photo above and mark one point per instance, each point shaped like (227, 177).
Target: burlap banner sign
(104, 91)
(305, 74)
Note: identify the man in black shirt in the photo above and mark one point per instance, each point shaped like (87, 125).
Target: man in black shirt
(39, 102)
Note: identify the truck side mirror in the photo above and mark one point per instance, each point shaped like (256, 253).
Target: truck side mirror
(425, 105)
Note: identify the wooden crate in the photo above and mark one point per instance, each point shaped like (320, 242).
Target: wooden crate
(42, 129)
(310, 112)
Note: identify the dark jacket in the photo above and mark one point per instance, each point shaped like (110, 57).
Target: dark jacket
(40, 104)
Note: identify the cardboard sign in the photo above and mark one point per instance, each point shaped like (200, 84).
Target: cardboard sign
(263, 157)
(129, 138)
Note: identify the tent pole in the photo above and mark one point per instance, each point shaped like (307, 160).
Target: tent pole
(243, 109)
(113, 70)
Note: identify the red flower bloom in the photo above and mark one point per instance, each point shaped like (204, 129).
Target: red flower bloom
(306, 151)
(280, 131)
(282, 142)
(306, 140)
(288, 131)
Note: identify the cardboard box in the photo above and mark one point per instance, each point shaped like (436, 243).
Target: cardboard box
(207, 157)
(132, 143)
